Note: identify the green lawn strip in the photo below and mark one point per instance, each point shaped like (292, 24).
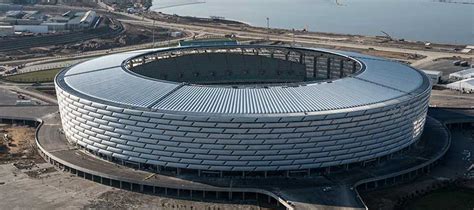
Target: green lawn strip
(33, 77)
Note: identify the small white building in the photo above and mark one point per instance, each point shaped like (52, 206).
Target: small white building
(460, 75)
(465, 85)
(176, 34)
(435, 76)
(25, 103)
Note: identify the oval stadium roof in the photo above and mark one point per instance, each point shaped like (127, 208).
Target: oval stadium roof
(107, 80)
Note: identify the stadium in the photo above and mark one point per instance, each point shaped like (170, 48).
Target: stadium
(242, 110)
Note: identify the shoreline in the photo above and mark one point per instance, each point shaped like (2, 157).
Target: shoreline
(308, 31)
(243, 27)
(194, 20)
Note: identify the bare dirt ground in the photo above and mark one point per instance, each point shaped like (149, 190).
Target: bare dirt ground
(444, 65)
(42, 187)
(19, 147)
(404, 57)
(132, 35)
(451, 98)
(119, 199)
(27, 182)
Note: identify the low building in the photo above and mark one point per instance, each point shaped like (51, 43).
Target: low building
(37, 29)
(27, 22)
(55, 27)
(6, 31)
(88, 18)
(465, 85)
(59, 19)
(460, 75)
(82, 20)
(34, 15)
(74, 23)
(435, 76)
(25, 103)
(15, 14)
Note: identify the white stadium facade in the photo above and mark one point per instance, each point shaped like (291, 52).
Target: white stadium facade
(242, 109)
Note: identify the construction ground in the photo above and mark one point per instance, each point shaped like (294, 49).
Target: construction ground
(28, 182)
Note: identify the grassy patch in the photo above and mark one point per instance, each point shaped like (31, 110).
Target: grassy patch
(449, 198)
(33, 77)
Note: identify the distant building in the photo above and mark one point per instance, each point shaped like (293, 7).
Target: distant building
(15, 17)
(34, 15)
(88, 17)
(55, 27)
(27, 22)
(15, 14)
(82, 20)
(464, 74)
(25, 103)
(37, 22)
(59, 19)
(37, 29)
(465, 85)
(435, 76)
(176, 34)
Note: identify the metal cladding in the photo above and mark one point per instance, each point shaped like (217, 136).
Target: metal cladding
(372, 107)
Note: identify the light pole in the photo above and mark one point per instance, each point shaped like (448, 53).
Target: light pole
(268, 28)
(153, 33)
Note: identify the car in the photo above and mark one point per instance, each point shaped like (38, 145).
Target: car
(457, 62)
(327, 189)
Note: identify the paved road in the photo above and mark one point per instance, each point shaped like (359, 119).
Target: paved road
(451, 95)
(454, 115)
(26, 112)
(45, 98)
(459, 158)
(7, 97)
